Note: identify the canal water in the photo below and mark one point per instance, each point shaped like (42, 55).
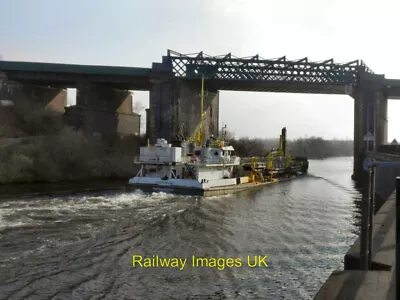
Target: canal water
(81, 246)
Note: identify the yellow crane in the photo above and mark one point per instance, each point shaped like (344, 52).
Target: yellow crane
(200, 138)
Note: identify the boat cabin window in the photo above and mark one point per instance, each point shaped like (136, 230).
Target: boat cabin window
(226, 153)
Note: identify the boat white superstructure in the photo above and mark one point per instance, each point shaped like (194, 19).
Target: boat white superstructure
(188, 169)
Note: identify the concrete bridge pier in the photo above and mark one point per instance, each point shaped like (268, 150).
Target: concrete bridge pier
(103, 110)
(28, 96)
(370, 121)
(175, 109)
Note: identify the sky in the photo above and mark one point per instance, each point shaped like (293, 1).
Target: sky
(138, 33)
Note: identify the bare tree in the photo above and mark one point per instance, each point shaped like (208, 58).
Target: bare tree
(138, 107)
(229, 134)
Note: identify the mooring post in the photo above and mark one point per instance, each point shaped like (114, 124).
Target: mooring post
(371, 198)
(397, 237)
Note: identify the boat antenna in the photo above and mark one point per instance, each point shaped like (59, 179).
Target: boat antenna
(224, 132)
(284, 141)
(201, 111)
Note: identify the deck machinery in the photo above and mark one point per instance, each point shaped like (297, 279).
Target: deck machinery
(277, 163)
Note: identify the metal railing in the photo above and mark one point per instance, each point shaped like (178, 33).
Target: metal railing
(367, 218)
(397, 236)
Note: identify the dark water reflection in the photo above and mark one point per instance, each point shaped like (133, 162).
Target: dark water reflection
(80, 246)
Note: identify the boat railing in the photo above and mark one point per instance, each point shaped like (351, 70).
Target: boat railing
(138, 161)
(235, 160)
(248, 160)
(232, 160)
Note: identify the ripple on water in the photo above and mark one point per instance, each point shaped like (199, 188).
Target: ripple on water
(83, 244)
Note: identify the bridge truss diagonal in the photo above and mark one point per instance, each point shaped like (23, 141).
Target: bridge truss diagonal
(256, 68)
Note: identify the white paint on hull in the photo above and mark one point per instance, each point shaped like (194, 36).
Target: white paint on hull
(181, 183)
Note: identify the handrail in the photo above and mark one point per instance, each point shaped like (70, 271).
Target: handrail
(397, 236)
(370, 166)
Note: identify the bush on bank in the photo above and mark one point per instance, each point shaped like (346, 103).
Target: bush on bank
(38, 147)
(313, 147)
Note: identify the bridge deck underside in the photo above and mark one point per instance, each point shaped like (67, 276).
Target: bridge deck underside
(69, 80)
(143, 83)
(271, 86)
(393, 88)
(72, 69)
(394, 92)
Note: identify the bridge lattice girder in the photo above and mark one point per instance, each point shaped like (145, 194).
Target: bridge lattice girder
(228, 67)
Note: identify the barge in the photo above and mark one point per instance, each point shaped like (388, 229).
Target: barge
(211, 169)
(207, 167)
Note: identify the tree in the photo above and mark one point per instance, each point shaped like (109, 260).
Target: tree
(138, 107)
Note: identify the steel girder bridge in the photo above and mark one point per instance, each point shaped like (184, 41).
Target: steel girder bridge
(258, 74)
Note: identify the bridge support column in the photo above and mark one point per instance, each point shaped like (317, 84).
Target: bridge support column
(175, 109)
(381, 118)
(103, 110)
(370, 122)
(25, 96)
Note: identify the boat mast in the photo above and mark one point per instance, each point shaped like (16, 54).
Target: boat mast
(200, 138)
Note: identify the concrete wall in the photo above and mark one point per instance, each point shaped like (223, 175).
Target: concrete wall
(189, 110)
(103, 98)
(391, 149)
(162, 112)
(370, 110)
(51, 98)
(175, 109)
(103, 110)
(102, 122)
(128, 124)
(385, 182)
(385, 178)
(381, 118)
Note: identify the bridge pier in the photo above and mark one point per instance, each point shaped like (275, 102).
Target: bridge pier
(26, 95)
(370, 121)
(175, 109)
(103, 110)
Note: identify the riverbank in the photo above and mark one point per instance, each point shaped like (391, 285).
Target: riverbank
(67, 156)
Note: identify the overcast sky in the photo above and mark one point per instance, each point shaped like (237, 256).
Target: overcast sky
(137, 33)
